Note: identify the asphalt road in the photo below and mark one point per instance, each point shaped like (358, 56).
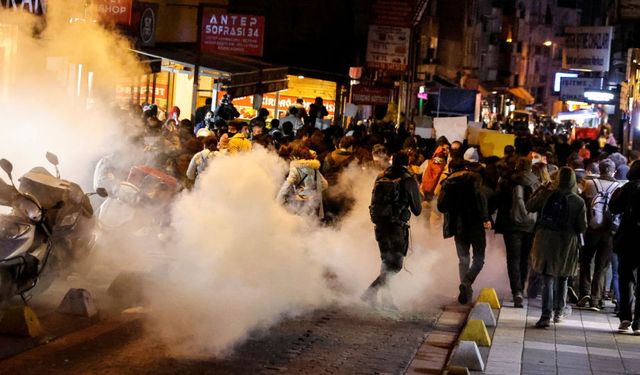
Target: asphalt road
(338, 340)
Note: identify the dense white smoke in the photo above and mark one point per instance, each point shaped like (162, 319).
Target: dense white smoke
(39, 102)
(238, 261)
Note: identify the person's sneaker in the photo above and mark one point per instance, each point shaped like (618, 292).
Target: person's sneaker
(624, 326)
(562, 315)
(635, 327)
(601, 305)
(466, 294)
(594, 306)
(571, 295)
(584, 302)
(543, 323)
(518, 300)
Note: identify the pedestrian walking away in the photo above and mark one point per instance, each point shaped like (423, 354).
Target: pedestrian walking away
(561, 219)
(464, 203)
(626, 201)
(395, 197)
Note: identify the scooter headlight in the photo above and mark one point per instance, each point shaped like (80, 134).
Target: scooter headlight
(29, 209)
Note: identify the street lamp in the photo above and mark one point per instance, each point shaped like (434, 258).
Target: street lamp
(548, 43)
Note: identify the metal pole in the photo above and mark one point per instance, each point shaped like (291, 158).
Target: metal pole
(277, 106)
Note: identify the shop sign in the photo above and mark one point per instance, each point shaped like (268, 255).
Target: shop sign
(587, 48)
(115, 11)
(233, 34)
(369, 95)
(574, 88)
(392, 12)
(388, 47)
(31, 6)
(245, 104)
(126, 92)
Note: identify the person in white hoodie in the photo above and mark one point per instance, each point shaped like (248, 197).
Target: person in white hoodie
(302, 190)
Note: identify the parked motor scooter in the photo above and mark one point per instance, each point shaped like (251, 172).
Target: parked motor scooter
(49, 227)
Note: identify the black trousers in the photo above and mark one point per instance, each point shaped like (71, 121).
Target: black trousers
(518, 245)
(629, 286)
(598, 245)
(393, 241)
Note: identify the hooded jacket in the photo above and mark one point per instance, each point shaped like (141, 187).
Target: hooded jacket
(306, 181)
(555, 251)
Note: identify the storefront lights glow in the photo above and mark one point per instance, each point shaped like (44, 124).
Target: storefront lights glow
(599, 96)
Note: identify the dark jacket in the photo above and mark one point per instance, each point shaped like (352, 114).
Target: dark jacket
(334, 163)
(463, 201)
(555, 252)
(410, 198)
(507, 195)
(622, 202)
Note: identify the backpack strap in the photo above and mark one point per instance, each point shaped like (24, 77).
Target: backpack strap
(301, 181)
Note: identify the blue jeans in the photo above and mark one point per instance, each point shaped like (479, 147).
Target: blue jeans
(554, 295)
(615, 277)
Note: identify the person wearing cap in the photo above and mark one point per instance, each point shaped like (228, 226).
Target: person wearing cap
(555, 247)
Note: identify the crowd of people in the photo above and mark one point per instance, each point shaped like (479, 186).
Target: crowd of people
(567, 213)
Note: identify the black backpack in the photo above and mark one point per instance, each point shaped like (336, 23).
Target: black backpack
(385, 205)
(555, 213)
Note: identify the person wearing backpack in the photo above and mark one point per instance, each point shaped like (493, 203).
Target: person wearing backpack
(464, 203)
(598, 238)
(516, 224)
(301, 192)
(626, 202)
(395, 197)
(200, 160)
(562, 218)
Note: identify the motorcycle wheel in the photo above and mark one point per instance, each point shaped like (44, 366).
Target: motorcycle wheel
(6, 289)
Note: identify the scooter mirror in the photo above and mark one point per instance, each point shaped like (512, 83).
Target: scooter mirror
(102, 192)
(52, 158)
(6, 166)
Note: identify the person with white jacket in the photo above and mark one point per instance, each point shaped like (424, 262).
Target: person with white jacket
(302, 190)
(201, 160)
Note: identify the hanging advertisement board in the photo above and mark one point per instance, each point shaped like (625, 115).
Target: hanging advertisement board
(574, 88)
(587, 48)
(388, 47)
(233, 34)
(370, 95)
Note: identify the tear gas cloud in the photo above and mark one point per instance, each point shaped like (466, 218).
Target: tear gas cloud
(238, 261)
(40, 109)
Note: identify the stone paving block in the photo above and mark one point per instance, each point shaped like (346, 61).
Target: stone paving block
(539, 357)
(573, 371)
(502, 368)
(538, 368)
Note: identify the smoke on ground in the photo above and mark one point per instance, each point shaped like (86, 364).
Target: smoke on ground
(238, 261)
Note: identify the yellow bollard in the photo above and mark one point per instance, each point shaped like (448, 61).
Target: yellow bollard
(476, 331)
(20, 321)
(489, 296)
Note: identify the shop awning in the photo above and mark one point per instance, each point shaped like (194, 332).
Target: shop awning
(522, 94)
(240, 76)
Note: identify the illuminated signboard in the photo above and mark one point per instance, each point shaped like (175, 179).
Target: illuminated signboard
(31, 6)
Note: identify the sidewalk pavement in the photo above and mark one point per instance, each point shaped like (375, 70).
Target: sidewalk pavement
(587, 342)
